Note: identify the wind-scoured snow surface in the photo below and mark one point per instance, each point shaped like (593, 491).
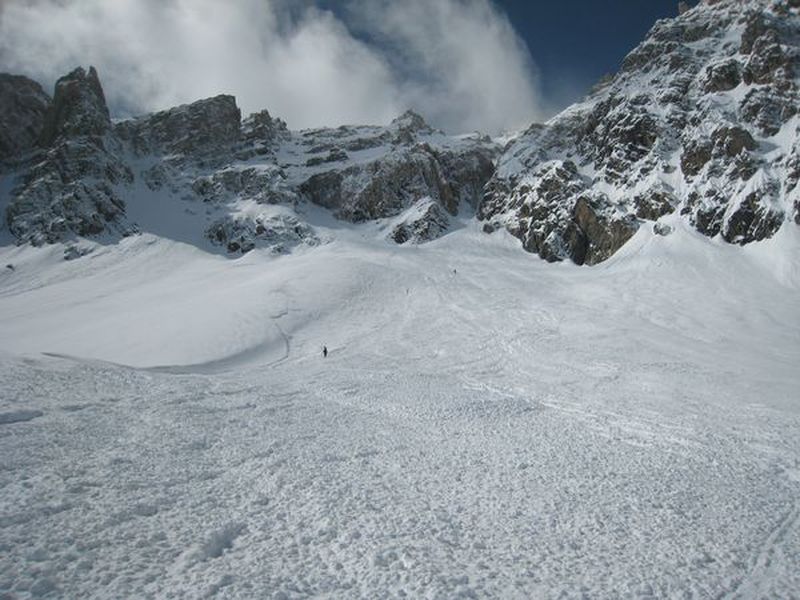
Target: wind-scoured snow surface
(485, 424)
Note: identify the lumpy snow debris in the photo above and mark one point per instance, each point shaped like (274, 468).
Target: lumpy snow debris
(484, 425)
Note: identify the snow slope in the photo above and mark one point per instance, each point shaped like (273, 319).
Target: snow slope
(485, 424)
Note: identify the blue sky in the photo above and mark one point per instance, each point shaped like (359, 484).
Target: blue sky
(575, 42)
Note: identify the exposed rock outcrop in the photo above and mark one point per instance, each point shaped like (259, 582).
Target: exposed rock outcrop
(424, 222)
(76, 183)
(277, 233)
(690, 123)
(263, 184)
(72, 190)
(388, 185)
(203, 129)
(702, 119)
(70, 187)
(23, 105)
(78, 108)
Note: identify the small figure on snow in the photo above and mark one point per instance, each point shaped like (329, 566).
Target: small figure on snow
(324, 352)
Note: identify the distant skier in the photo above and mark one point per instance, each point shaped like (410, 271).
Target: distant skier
(324, 352)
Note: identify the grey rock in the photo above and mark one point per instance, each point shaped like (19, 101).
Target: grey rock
(264, 128)
(722, 76)
(279, 234)
(752, 220)
(592, 237)
(540, 210)
(412, 121)
(71, 187)
(72, 251)
(71, 191)
(78, 108)
(672, 104)
(203, 130)
(23, 105)
(733, 140)
(767, 109)
(390, 184)
(429, 222)
(756, 25)
(324, 189)
(334, 155)
(263, 185)
(654, 205)
(767, 63)
(695, 156)
(662, 229)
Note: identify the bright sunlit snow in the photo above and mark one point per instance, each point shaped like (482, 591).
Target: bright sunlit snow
(484, 424)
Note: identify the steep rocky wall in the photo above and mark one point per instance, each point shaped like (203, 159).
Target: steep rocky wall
(702, 118)
(23, 105)
(80, 170)
(69, 187)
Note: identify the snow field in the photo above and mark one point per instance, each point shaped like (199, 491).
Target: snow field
(486, 425)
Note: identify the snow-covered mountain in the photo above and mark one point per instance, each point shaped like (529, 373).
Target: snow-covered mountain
(72, 173)
(485, 424)
(701, 120)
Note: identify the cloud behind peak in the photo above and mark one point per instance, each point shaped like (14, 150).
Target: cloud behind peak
(458, 62)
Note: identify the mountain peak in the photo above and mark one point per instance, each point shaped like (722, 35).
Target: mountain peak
(23, 104)
(78, 108)
(411, 121)
(700, 122)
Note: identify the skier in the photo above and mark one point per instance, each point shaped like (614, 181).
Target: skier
(324, 352)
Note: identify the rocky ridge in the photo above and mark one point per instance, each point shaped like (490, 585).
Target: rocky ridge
(701, 119)
(68, 186)
(23, 104)
(76, 174)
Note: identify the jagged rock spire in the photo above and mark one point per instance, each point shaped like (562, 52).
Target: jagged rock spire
(78, 108)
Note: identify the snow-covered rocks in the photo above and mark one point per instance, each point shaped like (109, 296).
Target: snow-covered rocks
(587, 231)
(78, 108)
(239, 234)
(195, 130)
(701, 119)
(367, 173)
(70, 186)
(86, 171)
(388, 185)
(423, 222)
(264, 184)
(72, 191)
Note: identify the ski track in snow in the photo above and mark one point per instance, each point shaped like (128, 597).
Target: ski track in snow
(511, 429)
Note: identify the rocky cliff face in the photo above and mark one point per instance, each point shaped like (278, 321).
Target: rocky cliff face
(78, 108)
(201, 129)
(69, 185)
(702, 122)
(23, 105)
(702, 119)
(249, 179)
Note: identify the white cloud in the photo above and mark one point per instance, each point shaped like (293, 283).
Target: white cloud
(470, 65)
(458, 62)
